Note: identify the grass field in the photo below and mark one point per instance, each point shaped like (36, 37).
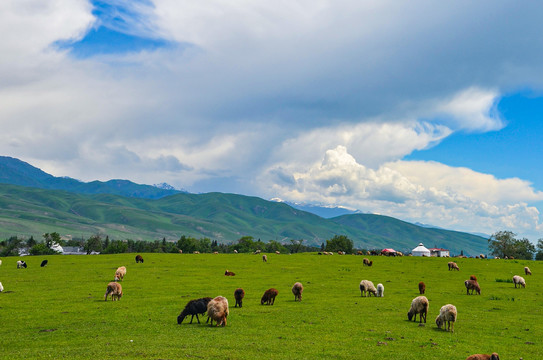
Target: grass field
(59, 311)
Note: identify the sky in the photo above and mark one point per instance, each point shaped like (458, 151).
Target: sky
(426, 111)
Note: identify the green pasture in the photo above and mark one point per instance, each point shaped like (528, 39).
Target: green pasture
(59, 311)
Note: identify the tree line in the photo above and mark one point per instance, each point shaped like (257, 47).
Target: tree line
(187, 244)
(504, 244)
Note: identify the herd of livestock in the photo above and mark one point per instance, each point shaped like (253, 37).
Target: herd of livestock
(217, 308)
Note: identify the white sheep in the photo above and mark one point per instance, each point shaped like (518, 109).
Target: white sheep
(519, 280)
(420, 306)
(1, 287)
(448, 314)
(380, 290)
(217, 309)
(527, 270)
(367, 286)
(0, 262)
(120, 273)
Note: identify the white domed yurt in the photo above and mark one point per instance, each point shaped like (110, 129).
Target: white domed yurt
(420, 251)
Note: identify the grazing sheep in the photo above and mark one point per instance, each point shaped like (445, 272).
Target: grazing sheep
(195, 252)
(448, 314)
(472, 285)
(367, 286)
(217, 309)
(21, 264)
(0, 262)
(420, 306)
(215, 252)
(380, 290)
(44, 263)
(139, 259)
(239, 294)
(120, 273)
(366, 262)
(235, 251)
(527, 270)
(194, 307)
(297, 290)
(257, 252)
(1, 287)
(519, 280)
(269, 296)
(229, 273)
(473, 277)
(277, 252)
(264, 258)
(115, 289)
(494, 356)
(452, 266)
(422, 287)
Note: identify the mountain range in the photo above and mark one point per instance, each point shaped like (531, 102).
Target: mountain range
(33, 202)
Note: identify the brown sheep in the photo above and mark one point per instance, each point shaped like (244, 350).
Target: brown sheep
(420, 306)
(269, 297)
(217, 309)
(120, 273)
(494, 356)
(115, 289)
(472, 285)
(264, 258)
(239, 294)
(452, 266)
(527, 271)
(139, 259)
(229, 273)
(473, 277)
(297, 290)
(422, 287)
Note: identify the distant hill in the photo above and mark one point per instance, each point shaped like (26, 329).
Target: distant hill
(26, 211)
(16, 172)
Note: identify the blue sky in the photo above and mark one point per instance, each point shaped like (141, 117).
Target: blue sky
(428, 112)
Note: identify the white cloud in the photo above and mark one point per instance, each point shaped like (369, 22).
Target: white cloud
(450, 197)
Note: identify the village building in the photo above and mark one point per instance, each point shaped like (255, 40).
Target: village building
(439, 252)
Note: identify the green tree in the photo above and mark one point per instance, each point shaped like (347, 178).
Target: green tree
(504, 243)
(500, 244)
(31, 242)
(187, 244)
(296, 245)
(42, 249)
(539, 254)
(246, 244)
(51, 239)
(340, 243)
(116, 247)
(94, 243)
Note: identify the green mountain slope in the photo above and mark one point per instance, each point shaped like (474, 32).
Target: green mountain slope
(26, 211)
(16, 172)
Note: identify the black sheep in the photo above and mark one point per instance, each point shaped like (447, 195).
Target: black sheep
(239, 294)
(43, 263)
(194, 307)
(139, 259)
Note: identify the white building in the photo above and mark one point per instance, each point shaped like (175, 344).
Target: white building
(439, 252)
(420, 251)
